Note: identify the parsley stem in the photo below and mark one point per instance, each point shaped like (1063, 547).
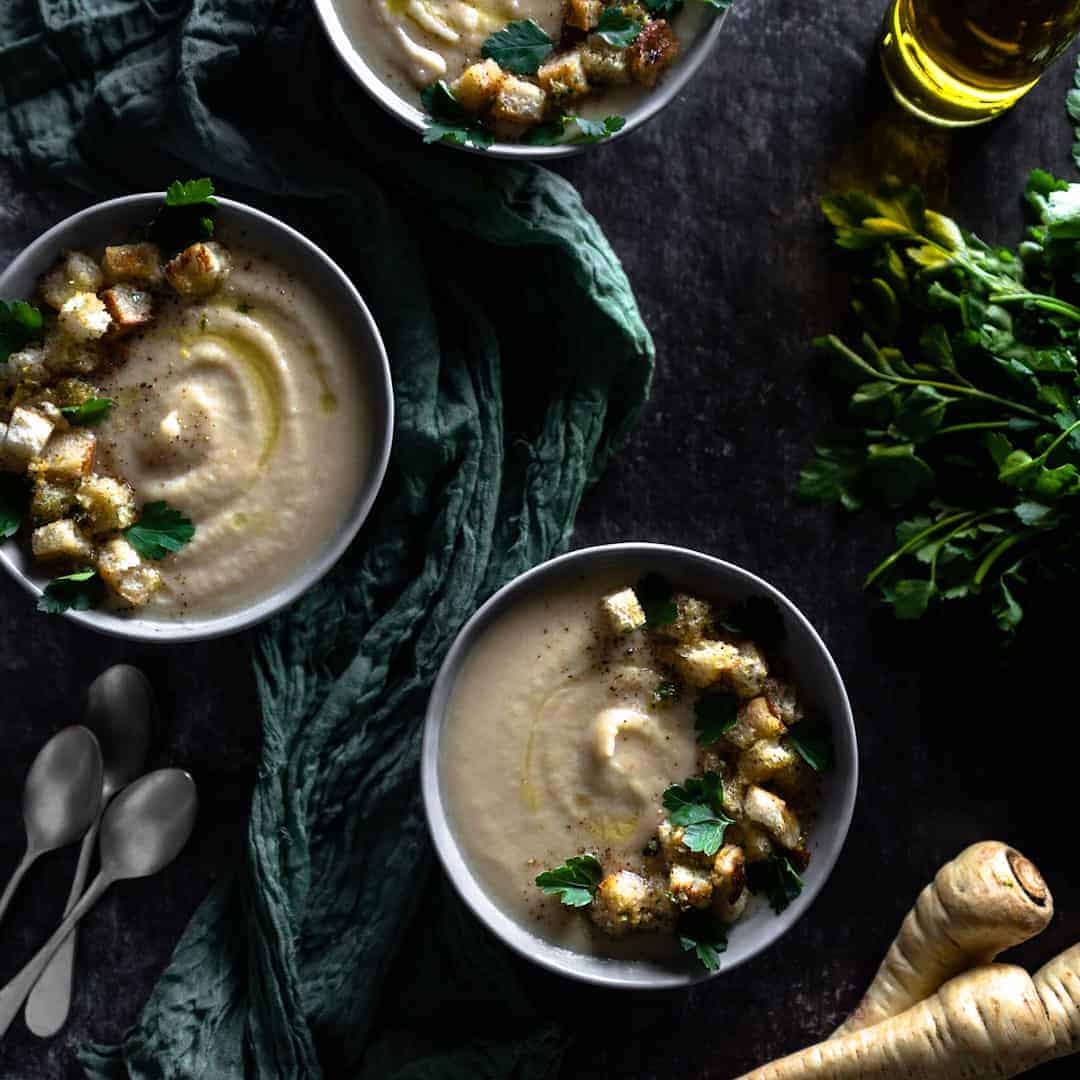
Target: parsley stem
(978, 425)
(996, 552)
(1047, 303)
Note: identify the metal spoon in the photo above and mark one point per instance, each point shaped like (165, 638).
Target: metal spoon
(61, 798)
(143, 830)
(120, 711)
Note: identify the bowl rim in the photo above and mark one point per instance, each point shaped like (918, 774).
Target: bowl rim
(169, 632)
(511, 932)
(658, 98)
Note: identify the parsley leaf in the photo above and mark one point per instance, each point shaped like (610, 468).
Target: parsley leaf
(450, 121)
(80, 591)
(187, 216)
(575, 882)
(777, 879)
(714, 715)
(191, 193)
(664, 9)
(92, 411)
(546, 134)
(703, 935)
(160, 530)
(20, 323)
(520, 47)
(14, 502)
(594, 130)
(697, 807)
(617, 28)
(657, 599)
(813, 741)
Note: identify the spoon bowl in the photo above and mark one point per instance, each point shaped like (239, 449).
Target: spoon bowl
(63, 789)
(120, 711)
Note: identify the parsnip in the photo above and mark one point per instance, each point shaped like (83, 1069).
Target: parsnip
(984, 1023)
(1058, 986)
(988, 899)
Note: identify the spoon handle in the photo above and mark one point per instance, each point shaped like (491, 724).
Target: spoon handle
(16, 877)
(16, 991)
(50, 1001)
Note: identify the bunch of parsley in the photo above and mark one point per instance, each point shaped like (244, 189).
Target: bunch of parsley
(964, 406)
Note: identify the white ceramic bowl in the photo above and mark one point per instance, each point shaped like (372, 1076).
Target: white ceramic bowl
(704, 31)
(813, 672)
(113, 221)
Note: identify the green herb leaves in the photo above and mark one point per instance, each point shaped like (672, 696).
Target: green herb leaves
(450, 121)
(160, 530)
(575, 882)
(657, 600)
(20, 324)
(697, 807)
(80, 591)
(705, 936)
(595, 130)
(90, 412)
(520, 47)
(812, 739)
(187, 216)
(777, 879)
(191, 193)
(617, 28)
(14, 502)
(714, 715)
(554, 131)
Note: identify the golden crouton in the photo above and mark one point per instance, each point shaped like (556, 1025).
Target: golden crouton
(475, 88)
(764, 759)
(84, 317)
(137, 264)
(690, 887)
(747, 678)
(755, 721)
(108, 504)
(584, 14)
(69, 392)
(519, 102)
(121, 568)
(129, 306)
(563, 77)
(66, 356)
(76, 273)
(783, 700)
(693, 620)
(624, 613)
(52, 500)
(755, 842)
(27, 366)
(199, 270)
(28, 432)
(729, 871)
(652, 52)
(705, 663)
(730, 911)
(69, 456)
(604, 64)
(625, 901)
(772, 814)
(60, 540)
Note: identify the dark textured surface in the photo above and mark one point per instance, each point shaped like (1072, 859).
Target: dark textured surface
(713, 208)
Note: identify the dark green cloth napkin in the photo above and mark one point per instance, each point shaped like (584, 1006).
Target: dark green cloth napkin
(519, 362)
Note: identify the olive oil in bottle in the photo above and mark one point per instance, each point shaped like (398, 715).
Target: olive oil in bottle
(962, 62)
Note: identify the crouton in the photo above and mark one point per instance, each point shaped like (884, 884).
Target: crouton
(674, 850)
(704, 663)
(747, 677)
(764, 759)
(730, 911)
(199, 270)
(129, 306)
(66, 356)
(755, 721)
(563, 77)
(136, 264)
(26, 366)
(121, 568)
(475, 88)
(624, 613)
(60, 540)
(76, 273)
(69, 456)
(652, 52)
(693, 621)
(604, 64)
(625, 902)
(69, 392)
(51, 411)
(84, 317)
(51, 500)
(690, 887)
(108, 504)
(729, 872)
(755, 841)
(519, 102)
(584, 14)
(772, 814)
(28, 432)
(782, 700)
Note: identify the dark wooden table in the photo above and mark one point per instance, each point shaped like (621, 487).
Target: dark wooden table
(713, 208)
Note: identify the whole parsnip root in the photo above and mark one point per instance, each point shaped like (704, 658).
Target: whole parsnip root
(989, 1022)
(988, 899)
(1058, 986)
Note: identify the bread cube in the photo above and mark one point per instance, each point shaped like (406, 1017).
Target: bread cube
(764, 759)
(519, 102)
(76, 273)
(69, 392)
(199, 270)
(755, 721)
(66, 356)
(563, 77)
(705, 663)
(603, 63)
(121, 568)
(730, 911)
(690, 887)
(51, 411)
(475, 88)
(28, 433)
(748, 676)
(782, 700)
(108, 504)
(625, 901)
(734, 793)
(693, 620)
(84, 317)
(129, 306)
(623, 611)
(136, 264)
(60, 540)
(652, 52)
(26, 366)
(756, 842)
(51, 500)
(729, 872)
(772, 814)
(584, 14)
(69, 456)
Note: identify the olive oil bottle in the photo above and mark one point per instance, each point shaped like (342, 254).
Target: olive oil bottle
(962, 62)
